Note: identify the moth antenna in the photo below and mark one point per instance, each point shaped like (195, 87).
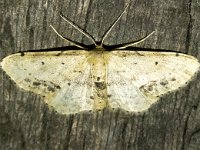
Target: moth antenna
(78, 28)
(68, 40)
(111, 27)
(135, 42)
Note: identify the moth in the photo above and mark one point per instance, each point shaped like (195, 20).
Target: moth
(79, 80)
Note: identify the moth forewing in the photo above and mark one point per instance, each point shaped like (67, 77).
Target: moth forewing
(139, 80)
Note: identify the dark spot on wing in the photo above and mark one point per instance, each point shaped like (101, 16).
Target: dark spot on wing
(78, 71)
(123, 55)
(91, 97)
(173, 79)
(58, 54)
(156, 63)
(42, 63)
(27, 80)
(36, 83)
(177, 54)
(100, 85)
(98, 94)
(46, 85)
(69, 83)
(58, 87)
(63, 63)
(109, 95)
(51, 89)
(163, 82)
(22, 53)
(120, 71)
(98, 78)
(150, 88)
(135, 63)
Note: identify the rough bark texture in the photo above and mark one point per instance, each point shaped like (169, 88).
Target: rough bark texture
(26, 122)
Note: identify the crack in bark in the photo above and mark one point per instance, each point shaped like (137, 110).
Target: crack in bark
(185, 128)
(198, 129)
(106, 146)
(71, 120)
(189, 29)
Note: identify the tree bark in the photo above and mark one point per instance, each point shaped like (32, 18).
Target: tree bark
(26, 122)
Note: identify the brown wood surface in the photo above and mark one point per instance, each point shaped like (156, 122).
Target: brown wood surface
(26, 122)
